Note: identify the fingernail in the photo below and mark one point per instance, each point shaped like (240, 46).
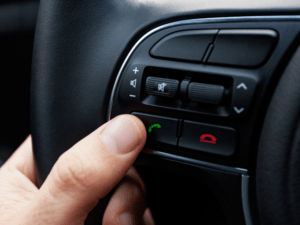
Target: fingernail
(125, 219)
(121, 135)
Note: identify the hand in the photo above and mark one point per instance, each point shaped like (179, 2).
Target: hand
(81, 177)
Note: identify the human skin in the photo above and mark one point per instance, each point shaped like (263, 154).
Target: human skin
(80, 178)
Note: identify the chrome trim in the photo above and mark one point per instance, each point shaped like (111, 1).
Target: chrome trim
(187, 22)
(245, 200)
(195, 162)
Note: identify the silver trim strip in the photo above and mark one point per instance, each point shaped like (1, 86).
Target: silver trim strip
(245, 200)
(195, 162)
(186, 22)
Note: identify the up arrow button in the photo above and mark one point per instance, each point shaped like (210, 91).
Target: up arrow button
(242, 85)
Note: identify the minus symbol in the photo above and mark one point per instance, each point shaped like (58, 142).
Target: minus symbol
(133, 96)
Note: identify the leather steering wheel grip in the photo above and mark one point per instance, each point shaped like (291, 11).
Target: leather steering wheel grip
(278, 162)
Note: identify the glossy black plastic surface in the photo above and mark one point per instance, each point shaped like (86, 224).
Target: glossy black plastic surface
(245, 48)
(225, 186)
(184, 45)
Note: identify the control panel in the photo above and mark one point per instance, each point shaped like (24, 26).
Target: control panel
(220, 95)
(188, 135)
(201, 88)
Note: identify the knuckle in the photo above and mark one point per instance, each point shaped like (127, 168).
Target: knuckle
(75, 171)
(110, 219)
(133, 192)
(134, 175)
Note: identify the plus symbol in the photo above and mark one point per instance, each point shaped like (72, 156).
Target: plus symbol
(135, 70)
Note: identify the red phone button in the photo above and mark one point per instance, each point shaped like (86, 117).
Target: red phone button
(208, 138)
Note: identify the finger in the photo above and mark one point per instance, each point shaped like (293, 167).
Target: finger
(21, 161)
(128, 203)
(87, 172)
(148, 218)
(17, 181)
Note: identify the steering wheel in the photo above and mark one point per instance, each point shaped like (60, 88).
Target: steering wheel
(80, 47)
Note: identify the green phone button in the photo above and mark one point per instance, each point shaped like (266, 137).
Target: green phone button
(154, 125)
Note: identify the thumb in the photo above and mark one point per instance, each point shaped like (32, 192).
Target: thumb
(86, 173)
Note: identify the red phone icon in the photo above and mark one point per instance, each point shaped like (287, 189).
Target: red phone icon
(208, 138)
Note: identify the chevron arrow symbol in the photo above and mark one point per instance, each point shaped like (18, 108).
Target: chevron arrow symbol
(242, 85)
(238, 111)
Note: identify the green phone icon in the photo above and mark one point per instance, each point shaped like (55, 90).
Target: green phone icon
(152, 126)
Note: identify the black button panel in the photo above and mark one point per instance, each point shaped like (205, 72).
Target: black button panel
(161, 131)
(222, 96)
(213, 139)
(243, 57)
(236, 47)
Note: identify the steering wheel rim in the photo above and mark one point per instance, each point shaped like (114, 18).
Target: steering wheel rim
(277, 183)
